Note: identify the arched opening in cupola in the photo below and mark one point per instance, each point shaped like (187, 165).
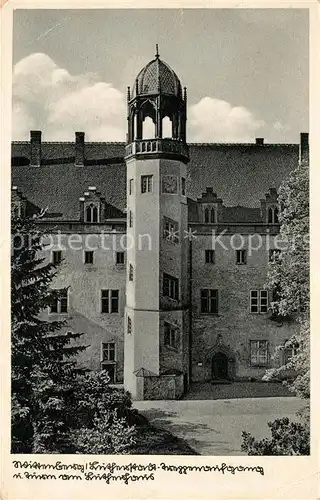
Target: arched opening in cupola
(166, 127)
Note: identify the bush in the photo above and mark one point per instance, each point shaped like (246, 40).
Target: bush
(287, 438)
(103, 417)
(109, 434)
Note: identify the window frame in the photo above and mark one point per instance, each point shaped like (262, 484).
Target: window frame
(261, 296)
(129, 325)
(210, 299)
(146, 183)
(121, 252)
(94, 213)
(53, 260)
(130, 272)
(212, 253)
(171, 337)
(259, 363)
(173, 285)
(169, 234)
(110, 297)
(58, 301)
(241, 257)
(131, 185)
(85, 254)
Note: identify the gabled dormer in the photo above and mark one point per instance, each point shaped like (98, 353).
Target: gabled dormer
(210, 207)
(92, 206)
(270, 207)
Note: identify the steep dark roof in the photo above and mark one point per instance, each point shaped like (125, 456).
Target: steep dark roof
(240, 174)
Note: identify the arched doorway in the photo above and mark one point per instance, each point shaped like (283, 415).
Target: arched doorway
(219, 367)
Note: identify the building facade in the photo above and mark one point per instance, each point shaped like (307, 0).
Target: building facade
(164, 246)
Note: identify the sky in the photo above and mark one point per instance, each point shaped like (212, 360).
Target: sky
(246, 70)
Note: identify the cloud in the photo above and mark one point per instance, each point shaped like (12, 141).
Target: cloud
(214, 120)
(49, 98)
(279, 126)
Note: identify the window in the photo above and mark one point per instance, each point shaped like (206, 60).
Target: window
(209, 256)
(171, 335)
(258, 352)
(241, 256)
(130, 219)
(108, 351)
(129, 326)
(130, 272)
(258, 301)
(183, 186)
(108, 361)
(130, 186)
(91, 213)
(59, 304)
(289, 351)
(120, 257)
(209, 301)
(56, 257)
(273, 215)
(274, 254)
(171, 230)
(170, 287)
(146, 184)
(109, 301)
(209, 215)
(88, 257)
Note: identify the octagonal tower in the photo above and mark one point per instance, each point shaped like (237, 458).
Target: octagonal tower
(156, 318)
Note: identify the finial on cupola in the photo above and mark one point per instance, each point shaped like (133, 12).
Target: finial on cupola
(157, 51)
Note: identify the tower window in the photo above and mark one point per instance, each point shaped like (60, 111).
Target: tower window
(109, 301)
(183, 186)
(146, 183)
(241, 256)
(91, 213)
(258, 301)
(59, 305)
(209, 301)
(88, 257)
(171, 335)
(170, 287)
(130, 186)
(130, 272)
(259, 352)
(130, 219)
(56, 257)
(129, 326)
(209, 256)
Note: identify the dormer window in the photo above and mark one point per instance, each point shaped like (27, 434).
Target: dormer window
(273, 215)
(91, 213)
(210, 215)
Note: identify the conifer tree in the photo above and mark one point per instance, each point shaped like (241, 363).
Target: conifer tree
(43, 359)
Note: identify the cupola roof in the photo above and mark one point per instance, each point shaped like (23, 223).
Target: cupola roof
(157, 78)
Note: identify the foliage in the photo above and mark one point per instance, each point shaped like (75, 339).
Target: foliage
(288, 279)
(43, 356)
(104, 416)
(287, 438)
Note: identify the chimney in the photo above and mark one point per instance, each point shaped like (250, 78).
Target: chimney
(259, 141)
(79, 149)
(304, 148)
(35, 142)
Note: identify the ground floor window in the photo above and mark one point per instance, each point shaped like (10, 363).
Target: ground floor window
(108, 359)
(258, 352)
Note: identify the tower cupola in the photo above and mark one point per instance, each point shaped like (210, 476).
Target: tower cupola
(157, 97)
